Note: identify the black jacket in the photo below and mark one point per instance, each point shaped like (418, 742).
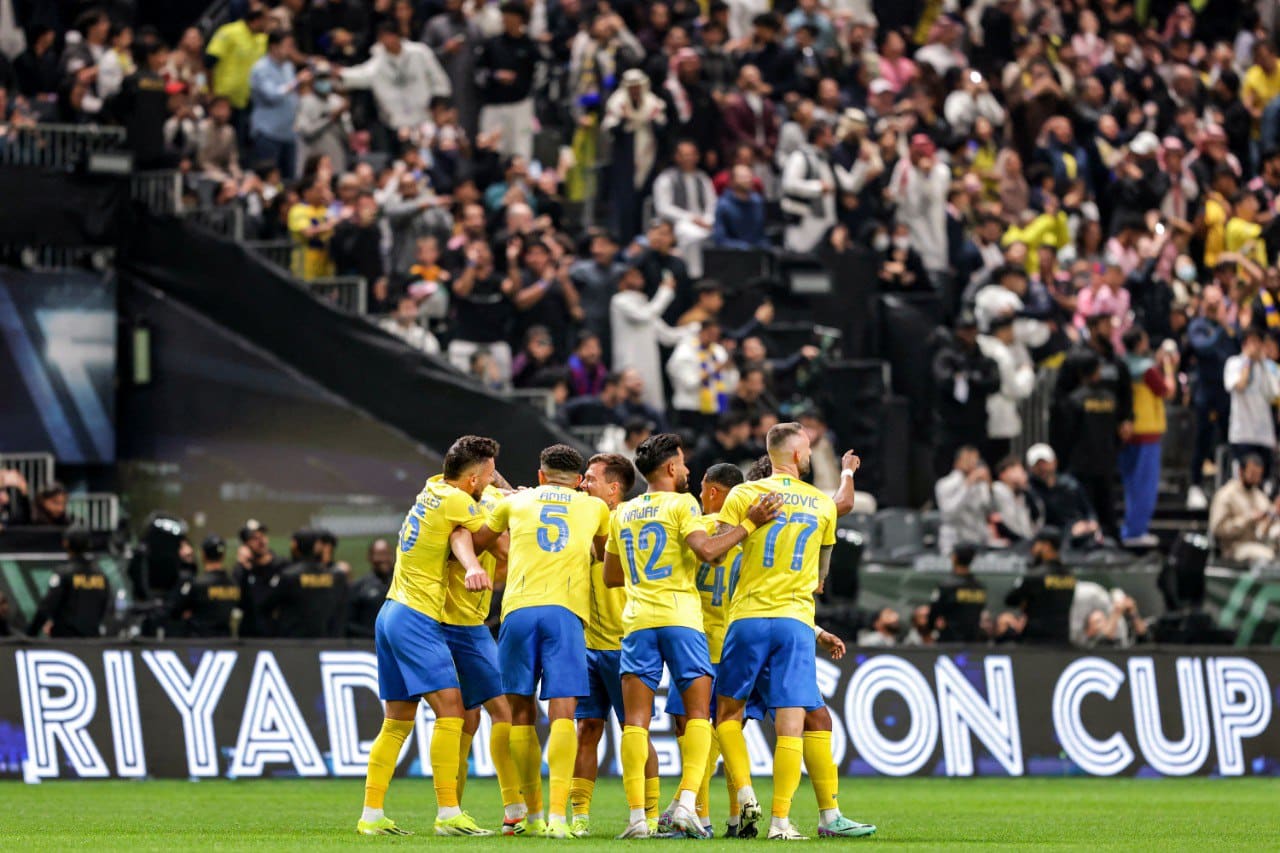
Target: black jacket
(309, 600)
(1046, 598)
(255, 587)
(204, 604)
(959, 600)
(364, 600)
(1090, 424)
(76, 602)
(957, 370)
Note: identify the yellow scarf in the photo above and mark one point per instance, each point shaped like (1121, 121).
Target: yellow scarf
(712, 397)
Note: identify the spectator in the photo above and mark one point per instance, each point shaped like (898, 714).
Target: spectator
(625, 441)
(1098, 351)
(312, 227)
(537, 356)
(483, 310)
(1253, 381)
(750, 118)
(900, 267)
(506, 69)
(78, 595)
(15, 506)
(367, 594)
(708, 296)
(1119, 626)
(729, 442)
(50, 509)
(751, 396)
(274, 85)
(1154, 381)
(884, 630)
(638, 329)
(217, 150)
(586, 368)
(596, 410)
(308, 599)
(205, 604)
(89, 60)
(919, 185)
(404, 76)
(1066, 504)
(235, 48)
(1093, 434)
(37, 67)
(256, 567)
(596, 280)
(683, 195)
(635, 118)
(404, 325)
(660, 260)
(809, 191)
(1045, 595)
(963, 380)
(453, 35)
(411, 215)
(356, 244)
(1017, 381)
(545, 295)
(486, 372)
(702, 378)
(824, 462)
(1211, 345)
(964, 500)
(633, 403)
(1242, 519)
(695, 111)
(426, 281)
(323, 120)
(958, 601)
(1018, 514)
(921, 632)
(144, 104)
(740, 214)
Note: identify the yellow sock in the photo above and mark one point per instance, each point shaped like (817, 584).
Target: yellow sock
(697, 743)
(580, 793)
(503, 765)
(464, 754)
(652, 793)
(733, 747)
(382, 760)
(526, 754)
(445, 741)
(704, 792)
(562, 751)
(788, 755)
(635, 752)
(822, 768)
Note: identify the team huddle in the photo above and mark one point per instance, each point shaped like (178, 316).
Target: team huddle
(601, 594)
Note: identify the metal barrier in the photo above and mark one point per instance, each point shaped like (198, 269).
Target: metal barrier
(161, 192)
(278, 252)
(589, 435)
(99, 511)
(348, 292)
(539, 398)
(1034, 412)
(35, 468)
(57, 258)
(58, 145)
(223, 221)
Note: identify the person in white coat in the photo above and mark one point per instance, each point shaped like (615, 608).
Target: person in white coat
(919, 188)
(684, 196)
(1017, 381)
(638, 329)
(809, 191)
(404, 77)
(703, 379)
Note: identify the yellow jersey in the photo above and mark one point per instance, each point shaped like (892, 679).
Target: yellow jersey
(552, 530)
(237, 48)
(779, 571)
(461, 605)
(716, 582)
(648, 534)
(604, 628)
(423, 551)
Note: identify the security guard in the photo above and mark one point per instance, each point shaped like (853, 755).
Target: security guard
(256, 566)
(205, 604)
(368, 593)
(308, 599)
(1045, 596)
(78, 595)
(958, 601)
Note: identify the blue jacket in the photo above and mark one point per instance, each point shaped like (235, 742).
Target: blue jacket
(739, 223)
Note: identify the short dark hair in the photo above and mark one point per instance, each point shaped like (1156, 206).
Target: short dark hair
(655, 451)
(731, 419)
(780, 434)
(708, 285)
(760, 469)
(387, 27)
(1132, 337)
(637, 424)
(467, 451)
(1006, 463)
(964, 553)
(51, 490)
(77, 541)
(617, 469)
(277, 36)
(584, 336)
(724, 474)
(1008, 270)
(561, 458)
(1252, 332)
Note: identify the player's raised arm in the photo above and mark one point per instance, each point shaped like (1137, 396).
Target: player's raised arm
(711, 548)
(460, 542)
(849, 465)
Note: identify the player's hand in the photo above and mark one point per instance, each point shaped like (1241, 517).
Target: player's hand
(765, 509)
(850, 461)
(477, 580)
(831, 643)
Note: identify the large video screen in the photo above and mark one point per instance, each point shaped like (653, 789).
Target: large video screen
(57, 365)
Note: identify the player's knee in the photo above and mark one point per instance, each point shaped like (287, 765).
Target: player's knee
(818, 720)
(590, 731)
(680, 720)
(402, 711)
(471, 720)
(446, 703)
(524, 711)
(499, 709)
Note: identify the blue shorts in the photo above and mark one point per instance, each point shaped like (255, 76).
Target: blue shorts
(683, 650)
(755, 648)
(475, 657)
(755, 709)
(413, 657)
(606, 686)
(762, 709)
(543, 644)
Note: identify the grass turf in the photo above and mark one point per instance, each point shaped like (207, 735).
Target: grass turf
(918, 813)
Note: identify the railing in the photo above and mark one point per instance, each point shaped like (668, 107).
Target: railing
(161, 192)
(1035, 413)
(35, 468)
(278, 252)
(539, 398)
(223, 221)
(99, 511)
(57, 258)
(58, 146)
(348, 292)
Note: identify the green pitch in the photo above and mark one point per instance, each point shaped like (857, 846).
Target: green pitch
(919, 813)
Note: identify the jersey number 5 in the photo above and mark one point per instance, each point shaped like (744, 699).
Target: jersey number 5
(553, 517)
